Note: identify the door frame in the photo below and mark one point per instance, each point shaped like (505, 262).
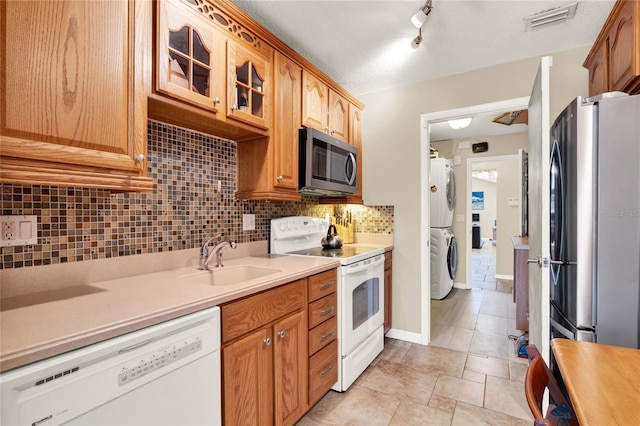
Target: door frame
(469, 223)
(425, 171)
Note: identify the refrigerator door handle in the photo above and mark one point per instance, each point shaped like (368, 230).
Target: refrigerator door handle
(562, 262)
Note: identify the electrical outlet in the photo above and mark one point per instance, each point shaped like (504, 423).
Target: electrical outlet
(248, 222)
(9, 230)
(18, 230)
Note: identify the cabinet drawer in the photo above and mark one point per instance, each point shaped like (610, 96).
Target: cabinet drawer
(322, 335)
(323, 371)
(244, 315)
(322, 309)
(322, 284)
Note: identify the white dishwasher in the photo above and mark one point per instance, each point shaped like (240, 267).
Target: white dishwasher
(166, 374)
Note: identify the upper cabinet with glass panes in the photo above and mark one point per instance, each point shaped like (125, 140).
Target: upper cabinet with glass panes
(249, 85)
(190, 56)
(210, 60)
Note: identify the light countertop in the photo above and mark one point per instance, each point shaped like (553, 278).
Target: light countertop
(52, 320)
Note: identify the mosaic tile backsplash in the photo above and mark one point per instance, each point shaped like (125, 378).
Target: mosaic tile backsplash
(183, 210)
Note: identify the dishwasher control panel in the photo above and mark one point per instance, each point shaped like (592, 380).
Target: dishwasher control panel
(153, 361)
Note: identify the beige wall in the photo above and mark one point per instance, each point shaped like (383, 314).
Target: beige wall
(392, 150)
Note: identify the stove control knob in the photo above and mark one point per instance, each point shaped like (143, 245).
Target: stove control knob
(283, 227)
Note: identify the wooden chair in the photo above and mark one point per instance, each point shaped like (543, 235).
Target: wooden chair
(539, 377)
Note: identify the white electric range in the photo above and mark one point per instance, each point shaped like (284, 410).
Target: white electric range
(360, 290)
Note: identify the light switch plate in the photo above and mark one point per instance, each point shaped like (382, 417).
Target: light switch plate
(18, 230)
(248, 222)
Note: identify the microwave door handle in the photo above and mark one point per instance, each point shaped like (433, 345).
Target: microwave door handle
(350, 158)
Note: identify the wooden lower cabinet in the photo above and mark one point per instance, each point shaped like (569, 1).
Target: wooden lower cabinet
(388, 274)
(248, 378)
(279, 351)
(323, 334)
(265, 370)
(521, 282)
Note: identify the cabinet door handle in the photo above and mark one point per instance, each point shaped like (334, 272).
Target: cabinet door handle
(140, 158)
(279, 178)
(327, 311)
(216, 100)
(326, 130)
(281, 333)
(326, 336)
(325, 372)
(332, 132)
(267, 341)
(327, 285)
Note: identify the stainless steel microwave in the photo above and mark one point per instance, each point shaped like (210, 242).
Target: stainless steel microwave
(328, 167)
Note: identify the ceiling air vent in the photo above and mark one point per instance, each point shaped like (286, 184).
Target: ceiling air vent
(550, 16)
(513, 117)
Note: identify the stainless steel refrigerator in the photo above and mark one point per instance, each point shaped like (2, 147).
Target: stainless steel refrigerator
(595, 220)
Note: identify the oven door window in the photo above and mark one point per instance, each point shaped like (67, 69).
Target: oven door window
(366, 301)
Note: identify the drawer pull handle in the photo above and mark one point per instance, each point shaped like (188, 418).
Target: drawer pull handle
(327, 285)
(325, 372)
(326, 336)
(327, 311)
(281, 333)
(267, 341)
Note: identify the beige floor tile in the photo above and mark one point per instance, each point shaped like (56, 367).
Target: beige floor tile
(466, 320)
(410, 414)
(473, 376)
(460, 390)
(517, 371)
(394, 350)
(490, 345)
(460, 340)
(491, 324)
(441, 403)
(489, 366)
(441, 335)
(361, 406)
(401, 381)
(496, 309)
(435, 359)
(466, 415)
(506, 396)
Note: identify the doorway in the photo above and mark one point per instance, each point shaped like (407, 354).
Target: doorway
(427, 120)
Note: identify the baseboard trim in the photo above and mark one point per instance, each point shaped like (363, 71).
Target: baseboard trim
(504, 277)
(407, 336)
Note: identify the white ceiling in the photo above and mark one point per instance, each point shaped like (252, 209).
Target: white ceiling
(365, 45)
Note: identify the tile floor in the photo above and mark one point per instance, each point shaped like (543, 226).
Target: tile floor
(469, 374)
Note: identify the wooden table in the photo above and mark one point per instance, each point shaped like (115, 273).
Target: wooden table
(603, 381)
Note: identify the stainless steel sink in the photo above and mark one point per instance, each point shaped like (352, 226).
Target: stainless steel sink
(229, 275)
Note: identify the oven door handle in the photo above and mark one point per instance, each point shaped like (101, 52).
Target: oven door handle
(360, 266)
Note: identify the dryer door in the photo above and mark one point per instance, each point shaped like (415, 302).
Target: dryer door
(452, 257)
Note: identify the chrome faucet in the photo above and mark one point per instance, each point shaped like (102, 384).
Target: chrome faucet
(205, 256)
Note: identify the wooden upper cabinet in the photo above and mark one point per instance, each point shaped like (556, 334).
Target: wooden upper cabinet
(73, 82)
(338, 116)
(190, 56)
(324, 109)
(270, 165)
(614, 60)
(315, 102)
(355, 139)
(249, 85)
(287, 84)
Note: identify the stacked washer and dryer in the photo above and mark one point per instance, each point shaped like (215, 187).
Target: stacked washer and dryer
(444, 249)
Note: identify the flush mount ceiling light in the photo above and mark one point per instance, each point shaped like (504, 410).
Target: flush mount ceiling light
(460, 123)
(421, 15)
(550, 16)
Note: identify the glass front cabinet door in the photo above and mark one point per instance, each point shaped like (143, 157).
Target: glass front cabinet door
(249, 85)
(191, 54)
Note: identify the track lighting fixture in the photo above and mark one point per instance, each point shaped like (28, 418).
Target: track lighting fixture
(421, 15)
(418, 39)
